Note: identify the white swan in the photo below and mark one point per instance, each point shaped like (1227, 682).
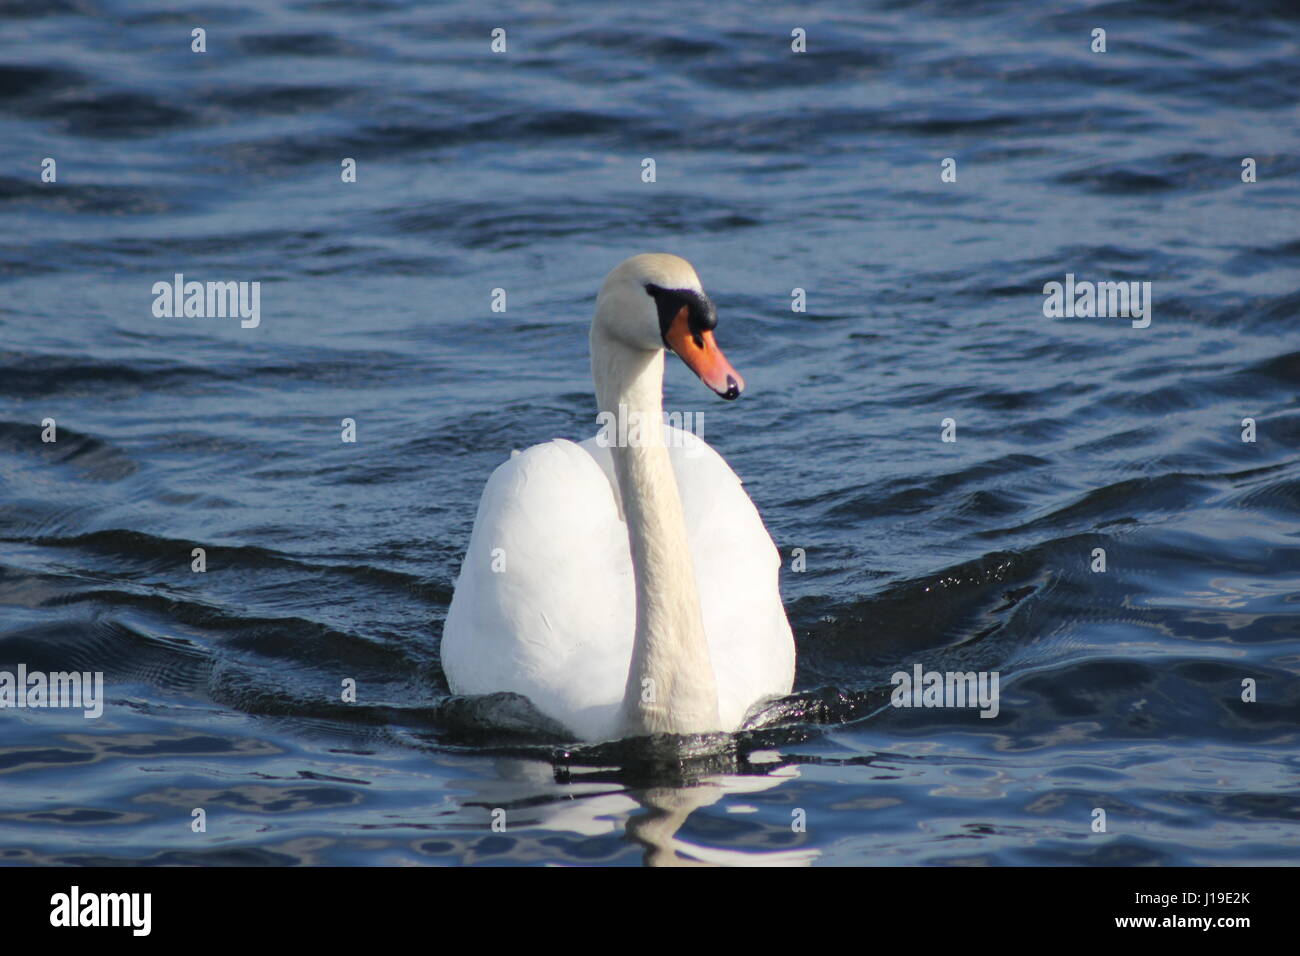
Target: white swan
(626, 590)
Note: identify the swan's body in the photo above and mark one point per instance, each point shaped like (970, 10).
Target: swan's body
(630, 589)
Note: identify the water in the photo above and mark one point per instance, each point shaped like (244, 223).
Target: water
(1121, 690)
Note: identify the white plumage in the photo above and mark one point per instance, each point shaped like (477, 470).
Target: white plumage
(546, 602)
(556, 624)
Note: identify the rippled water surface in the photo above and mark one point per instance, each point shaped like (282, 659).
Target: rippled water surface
(1121, 690)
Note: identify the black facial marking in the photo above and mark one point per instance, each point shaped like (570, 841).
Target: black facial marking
(701, 316)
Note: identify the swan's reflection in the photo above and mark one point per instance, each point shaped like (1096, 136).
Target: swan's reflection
(666, 809)
(593, 801)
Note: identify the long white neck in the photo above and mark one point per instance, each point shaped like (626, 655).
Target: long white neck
(670, 684)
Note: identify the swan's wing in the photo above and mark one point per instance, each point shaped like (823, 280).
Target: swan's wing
(737, 570)
(545, 605)
(554, 621)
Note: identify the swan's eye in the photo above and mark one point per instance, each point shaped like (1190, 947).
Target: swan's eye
(701, 315)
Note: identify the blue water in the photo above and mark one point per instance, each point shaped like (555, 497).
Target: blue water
(1120, 690)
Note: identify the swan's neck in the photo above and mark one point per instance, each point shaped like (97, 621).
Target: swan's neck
(670, 684)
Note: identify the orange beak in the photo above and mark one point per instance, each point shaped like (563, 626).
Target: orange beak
(703, 357)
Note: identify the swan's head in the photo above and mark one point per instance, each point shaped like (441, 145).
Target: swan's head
(655, 301)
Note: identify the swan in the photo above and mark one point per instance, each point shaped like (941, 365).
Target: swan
(626, 585)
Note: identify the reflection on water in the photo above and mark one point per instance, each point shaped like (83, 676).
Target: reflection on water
(647, 797)
(651, 817)
(666, 809)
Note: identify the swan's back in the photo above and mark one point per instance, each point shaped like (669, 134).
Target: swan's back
(556, 623)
